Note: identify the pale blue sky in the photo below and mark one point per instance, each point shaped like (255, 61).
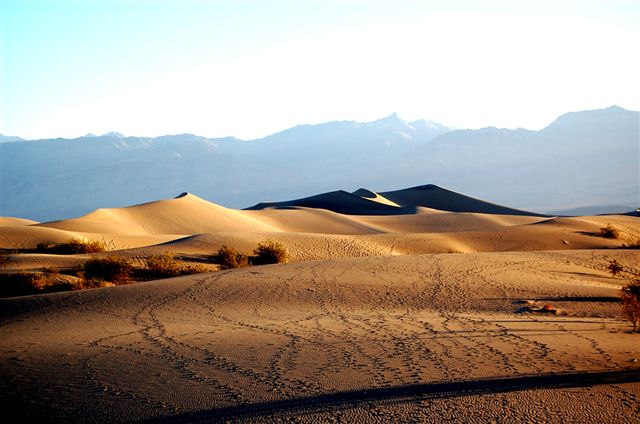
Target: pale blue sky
(252, 68)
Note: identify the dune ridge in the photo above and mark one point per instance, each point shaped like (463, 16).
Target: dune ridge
(372, 224)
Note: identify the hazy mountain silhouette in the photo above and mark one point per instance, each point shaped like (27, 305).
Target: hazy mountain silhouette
(582, 158)
(9, 138)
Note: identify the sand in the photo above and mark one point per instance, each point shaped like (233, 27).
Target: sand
(372, 321)
(421, 337)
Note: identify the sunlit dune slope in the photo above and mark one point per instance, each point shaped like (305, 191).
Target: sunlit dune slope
(186, 214)
(376, 197)
(6, 221)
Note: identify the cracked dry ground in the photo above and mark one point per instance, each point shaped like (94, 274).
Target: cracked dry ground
(426, 338)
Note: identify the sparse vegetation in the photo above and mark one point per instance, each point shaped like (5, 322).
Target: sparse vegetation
(609, 231)
(113, 269)
(72, 247)
(166, 266)
(632, 245)
(269, 252)
(630, 298)
(22, 283)
(26, 283)
(229, 258)
(96, 272)
(118, 270)
(615, 267)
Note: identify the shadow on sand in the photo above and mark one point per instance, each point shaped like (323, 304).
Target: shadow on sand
(404, 393)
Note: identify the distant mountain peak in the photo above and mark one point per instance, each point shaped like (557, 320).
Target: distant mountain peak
(113, 134)
(616, 107)
(612, 114)
(9, 138)
(394, 118)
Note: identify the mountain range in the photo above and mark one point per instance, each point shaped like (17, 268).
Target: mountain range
(581, 159)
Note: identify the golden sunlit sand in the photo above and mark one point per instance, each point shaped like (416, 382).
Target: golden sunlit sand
(416, 316)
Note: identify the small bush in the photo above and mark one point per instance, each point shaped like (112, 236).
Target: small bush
(22, 283)
(615, 267)
(113, 269)
(269, 252)
(162, 266)
(49, 270)
(166, 266)
(72, 247)
(609, 231)
(26, 283)
(229, 258)
(630, 298)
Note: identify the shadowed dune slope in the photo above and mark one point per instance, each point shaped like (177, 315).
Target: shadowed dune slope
(337, 201)
(406, 201)
(435, 197)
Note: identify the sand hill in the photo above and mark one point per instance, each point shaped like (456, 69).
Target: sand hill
(337, 201)
(409, 305)
(435, 197)
(186, 214)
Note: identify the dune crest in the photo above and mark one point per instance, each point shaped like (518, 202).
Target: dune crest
(186, 214)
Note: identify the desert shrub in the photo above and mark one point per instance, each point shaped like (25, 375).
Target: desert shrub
(72, 247)
(162, 266)
(26, 283)
(269, 252)
(49, 270)
(90, 284)
(630, 299)
(193, 269)
(615, 267)
(166, 266)
(113, 269)
(21, 283)
(609, 231)
(229, 258)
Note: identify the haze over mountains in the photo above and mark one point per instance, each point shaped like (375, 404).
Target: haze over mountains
(581, 159)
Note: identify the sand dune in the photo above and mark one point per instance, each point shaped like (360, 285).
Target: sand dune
(557, 234)
(337, 201)
(406, 338)
(192, 225)
(372, 321)
(186, 214)
(435, 197)
(14, 222)
(376, 197)
(27, 236)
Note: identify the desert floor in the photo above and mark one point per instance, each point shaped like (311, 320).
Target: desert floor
(372, 321)
(406, 338)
